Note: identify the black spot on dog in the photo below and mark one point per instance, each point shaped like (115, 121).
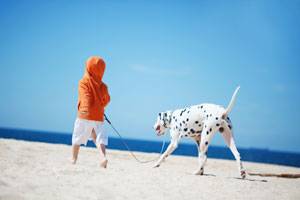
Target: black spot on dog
(207, 132)
(192, 130)
(229, 126)
(205, 111)
(173, 117)
(210, 115)
(221, 130)
(175, 120)
(207, 116)
(204, 126)
(183, 122)
(210, 130)
(199, 125)
(165, 114)
(217, 124)
(201, 107)
(206, 143)
(198, 131)
(182, 112)
(196, 122)
(185, 129)
(187, 119)
(180, 124)
(176, 127)
(217, 118)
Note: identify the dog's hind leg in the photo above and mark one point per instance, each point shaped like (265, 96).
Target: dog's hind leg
(197, 140)
(228, 136)
(172, 146)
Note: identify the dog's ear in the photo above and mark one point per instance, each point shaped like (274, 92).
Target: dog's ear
(169, 113)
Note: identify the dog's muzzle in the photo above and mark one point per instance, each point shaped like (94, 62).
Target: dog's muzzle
(157, 129)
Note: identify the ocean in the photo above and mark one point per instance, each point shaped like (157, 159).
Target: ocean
(247, 154)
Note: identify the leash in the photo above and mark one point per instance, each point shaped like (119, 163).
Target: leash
(127, 147)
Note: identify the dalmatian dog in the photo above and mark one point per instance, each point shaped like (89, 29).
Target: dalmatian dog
(199, 122)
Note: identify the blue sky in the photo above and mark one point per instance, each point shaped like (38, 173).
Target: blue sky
(160, 55)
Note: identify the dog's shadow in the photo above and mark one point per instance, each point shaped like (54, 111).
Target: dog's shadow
(238, 178)
(249, 179)
(209, 175)
(213, 175)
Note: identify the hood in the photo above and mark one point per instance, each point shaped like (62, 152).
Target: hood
(95, 67)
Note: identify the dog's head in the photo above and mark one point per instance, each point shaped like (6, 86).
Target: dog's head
(163, 122)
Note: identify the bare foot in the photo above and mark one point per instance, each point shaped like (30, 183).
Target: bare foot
(73, 161)
(103, 163)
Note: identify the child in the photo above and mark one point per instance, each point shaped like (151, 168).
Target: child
(93, 98)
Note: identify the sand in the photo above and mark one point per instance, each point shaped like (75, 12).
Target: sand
(32, 170)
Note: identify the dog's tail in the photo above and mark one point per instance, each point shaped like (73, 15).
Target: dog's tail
(232, 101)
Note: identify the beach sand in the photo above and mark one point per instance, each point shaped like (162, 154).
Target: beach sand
(32, 170)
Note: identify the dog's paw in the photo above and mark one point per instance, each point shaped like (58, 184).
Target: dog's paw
(243, 174)
(156, 165)
(199, 172)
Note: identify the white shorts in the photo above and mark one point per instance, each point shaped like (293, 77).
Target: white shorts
(83, 130)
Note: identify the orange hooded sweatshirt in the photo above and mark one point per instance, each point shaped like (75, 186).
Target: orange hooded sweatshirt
(93, 93)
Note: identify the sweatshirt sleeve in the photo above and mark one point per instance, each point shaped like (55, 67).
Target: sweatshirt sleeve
(105, 95)
(84, 96)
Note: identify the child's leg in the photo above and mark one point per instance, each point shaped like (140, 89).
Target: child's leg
(103, 155)
(79, 136)
(94, 136)
(75, 151)
(102, 150)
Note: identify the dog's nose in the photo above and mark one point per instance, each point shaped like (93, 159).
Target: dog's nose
(157, 128)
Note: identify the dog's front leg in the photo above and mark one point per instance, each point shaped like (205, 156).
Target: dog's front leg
(172, 146)
(206, 136)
